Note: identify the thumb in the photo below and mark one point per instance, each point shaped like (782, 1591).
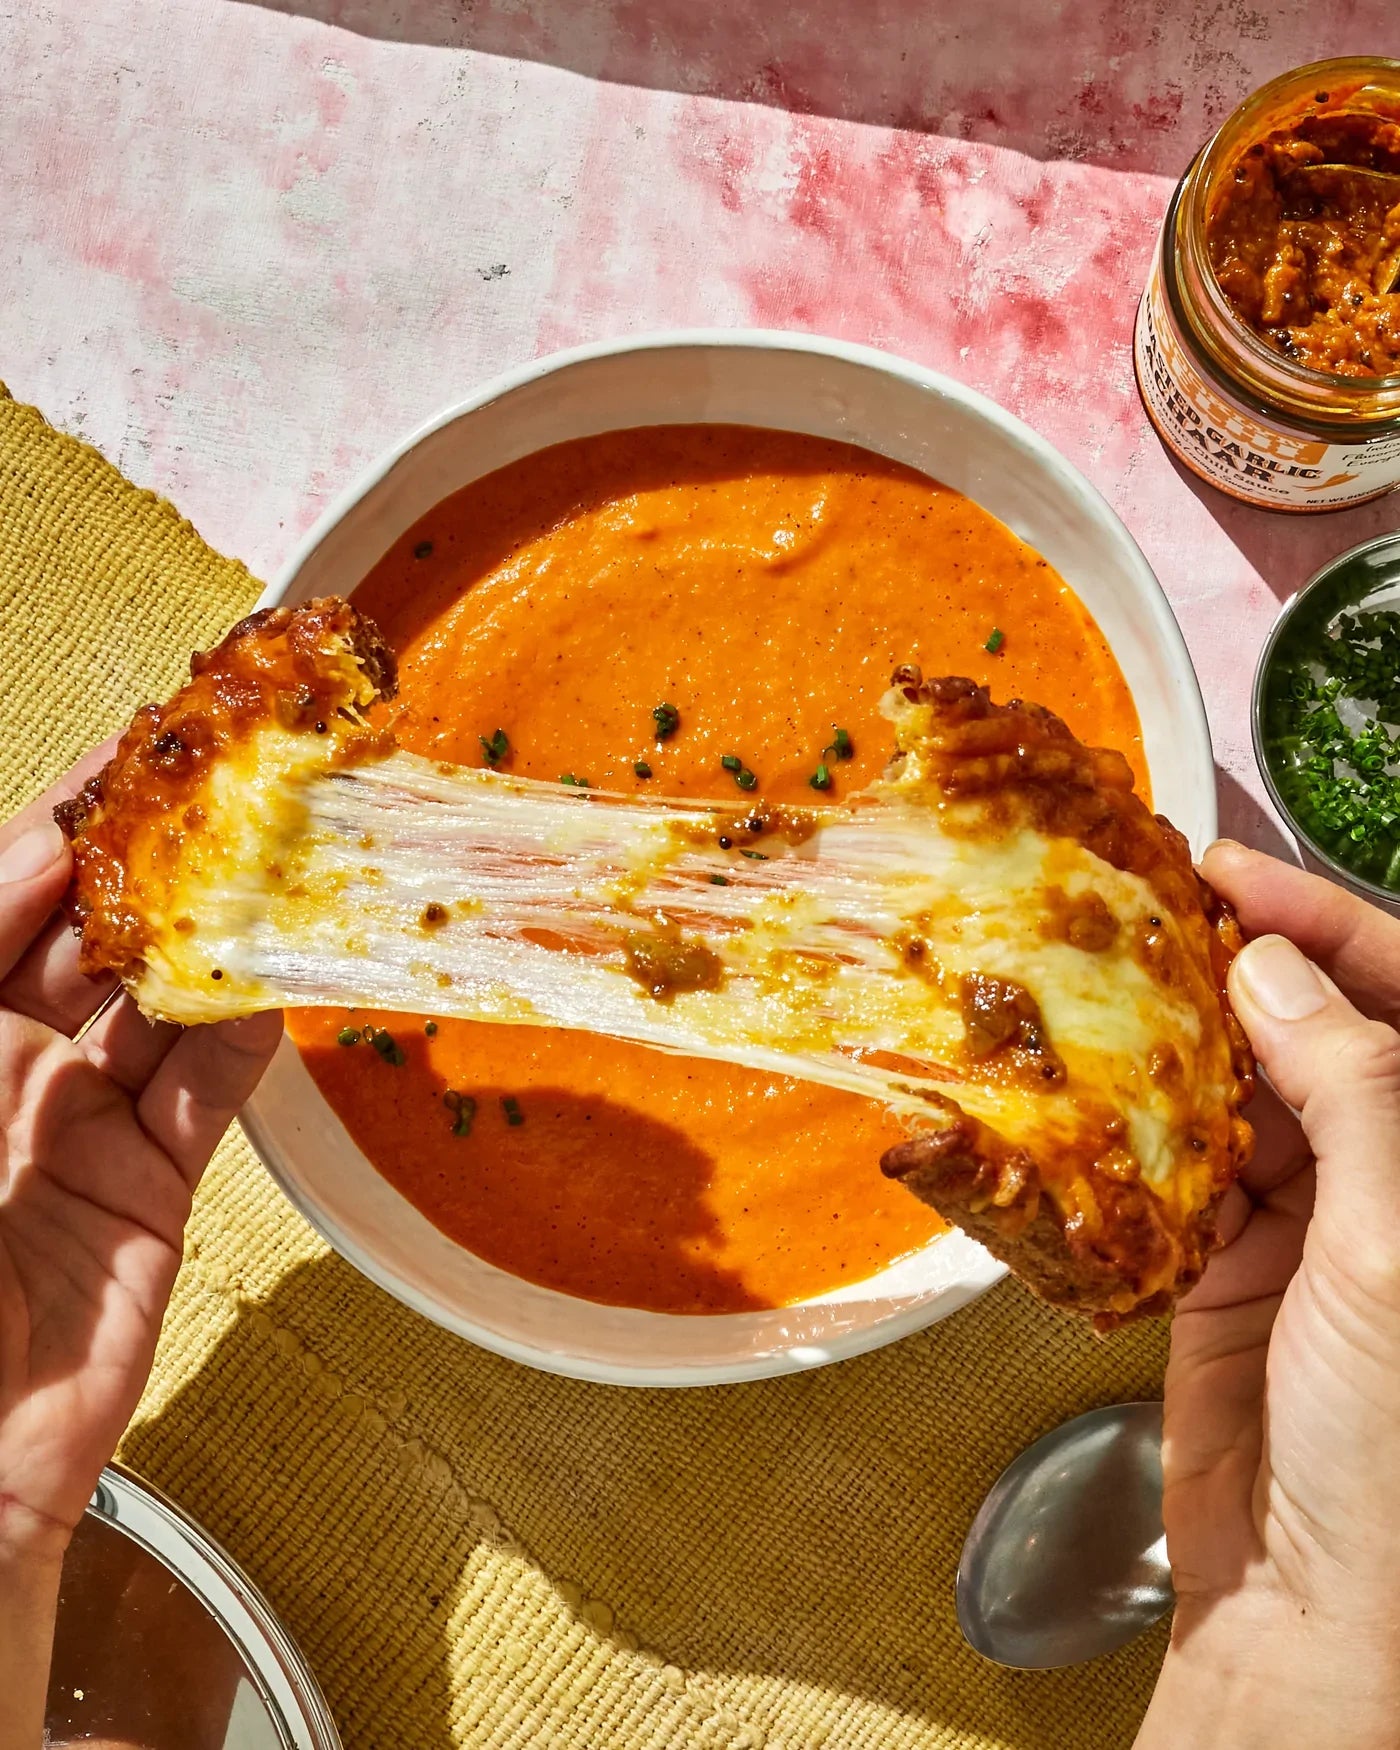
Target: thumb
(1341, 1073)
(33, 869)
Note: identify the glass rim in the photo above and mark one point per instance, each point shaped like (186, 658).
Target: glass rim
(1262, 669)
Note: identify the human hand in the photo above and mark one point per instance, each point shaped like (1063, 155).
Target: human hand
(1281, 1456)
(103, 1138)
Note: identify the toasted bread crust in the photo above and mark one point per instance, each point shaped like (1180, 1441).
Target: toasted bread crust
(1081, 1235)
(306, 668)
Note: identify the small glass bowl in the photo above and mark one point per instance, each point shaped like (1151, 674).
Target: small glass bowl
(1366, 577)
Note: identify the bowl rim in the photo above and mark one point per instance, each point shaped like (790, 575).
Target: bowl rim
(1067, 476)
(982, 1272)
(1282, 621)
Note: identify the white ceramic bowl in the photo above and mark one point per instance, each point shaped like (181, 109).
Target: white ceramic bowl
(800, 383)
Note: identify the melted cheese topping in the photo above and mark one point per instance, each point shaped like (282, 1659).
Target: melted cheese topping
(398, 884)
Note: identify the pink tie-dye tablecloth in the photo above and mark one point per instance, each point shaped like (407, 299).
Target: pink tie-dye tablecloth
(244, 246)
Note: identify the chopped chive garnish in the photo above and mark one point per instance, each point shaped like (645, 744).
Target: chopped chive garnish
(841, 745)
(719, 880)
(731, 762)
(388, 1047)
(667, 719)
(642, 769)
(496, 748)
(821, 778)
(511, 1107)
(577, 783)
(424, 550)
(1332, 706)
(754, 856)
(430, 1029)
(463, 1109)
(348, 1036)
(995, 642)
(746, 780)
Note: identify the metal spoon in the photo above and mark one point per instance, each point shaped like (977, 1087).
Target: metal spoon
(1363, 186)
(1357, 179)
(1067, 1558)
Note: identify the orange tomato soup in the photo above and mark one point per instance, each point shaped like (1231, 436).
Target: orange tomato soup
(765, 584)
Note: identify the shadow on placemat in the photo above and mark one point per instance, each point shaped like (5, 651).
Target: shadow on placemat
(473, 1554)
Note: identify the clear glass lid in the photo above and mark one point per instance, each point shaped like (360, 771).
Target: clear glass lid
(163, 1644)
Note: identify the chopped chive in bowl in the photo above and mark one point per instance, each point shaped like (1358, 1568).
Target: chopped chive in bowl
(1327, 714)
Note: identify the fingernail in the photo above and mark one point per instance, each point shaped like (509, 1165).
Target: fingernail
(32, 852)
(1224, 845)
(1279, 980)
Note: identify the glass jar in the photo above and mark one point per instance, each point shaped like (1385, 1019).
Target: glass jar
(1232, 408)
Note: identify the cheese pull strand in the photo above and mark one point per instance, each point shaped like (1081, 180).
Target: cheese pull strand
(835, 945)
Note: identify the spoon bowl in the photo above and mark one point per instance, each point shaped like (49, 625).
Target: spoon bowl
(1359, 187)
(1067, 1558)
(1358, 179)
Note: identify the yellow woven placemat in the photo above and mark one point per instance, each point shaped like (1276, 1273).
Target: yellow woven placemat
(471, 1553)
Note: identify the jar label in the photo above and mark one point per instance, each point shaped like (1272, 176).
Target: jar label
(1237, 450)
